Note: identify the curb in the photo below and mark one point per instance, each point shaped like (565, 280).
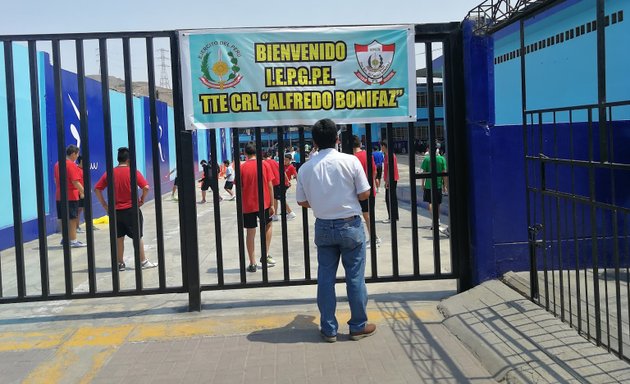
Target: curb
(519, 342)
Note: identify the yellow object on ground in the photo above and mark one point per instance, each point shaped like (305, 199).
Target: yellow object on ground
(102, 220)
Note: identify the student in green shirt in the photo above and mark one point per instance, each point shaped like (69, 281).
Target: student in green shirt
(440, 163)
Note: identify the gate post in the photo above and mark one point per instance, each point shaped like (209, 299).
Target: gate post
(479, 120)
(186, 187)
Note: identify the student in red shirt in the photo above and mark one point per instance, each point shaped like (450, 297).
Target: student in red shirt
(249, 191)
(75, 192)
(126, 221)
(281, 191)
(390, 185)
(365, 205)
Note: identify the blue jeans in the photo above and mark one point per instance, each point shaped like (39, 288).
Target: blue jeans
(345, 238)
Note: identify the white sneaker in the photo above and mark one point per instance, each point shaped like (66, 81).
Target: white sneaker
(378, 240)
(385, 221)
(275, 218)
(291, 216)
(77, 244)
(147, 264)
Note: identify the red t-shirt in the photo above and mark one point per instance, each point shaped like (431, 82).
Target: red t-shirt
(249, 185)
(386, 168)
(122, 185)
(275, 169)
(362, 156)
(73, 174)
(290, 172)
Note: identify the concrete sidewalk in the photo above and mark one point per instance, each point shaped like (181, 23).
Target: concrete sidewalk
(241, 337)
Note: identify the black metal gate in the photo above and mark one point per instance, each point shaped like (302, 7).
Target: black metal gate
(576, 169)
(51, 272)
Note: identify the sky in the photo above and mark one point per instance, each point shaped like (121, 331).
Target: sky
(77, 16)
(58, 16)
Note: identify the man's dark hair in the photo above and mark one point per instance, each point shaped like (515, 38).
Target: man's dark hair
(250, 148)
(202, 162)
(71, 149)
(383, 144)
(325, 134)
(123, 154)
(375, 148)
(288, 156)
(226, 162)
(356, 142)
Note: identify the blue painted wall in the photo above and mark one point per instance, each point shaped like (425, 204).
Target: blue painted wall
(559, 73)
(71, 129)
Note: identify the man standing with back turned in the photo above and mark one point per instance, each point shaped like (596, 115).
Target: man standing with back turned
(332, 184)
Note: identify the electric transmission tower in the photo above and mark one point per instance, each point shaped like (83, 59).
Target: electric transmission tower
(164, 66)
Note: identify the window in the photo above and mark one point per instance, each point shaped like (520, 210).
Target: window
(422, 99)
(438, 98)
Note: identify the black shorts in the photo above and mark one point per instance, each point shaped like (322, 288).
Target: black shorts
(427, 196)
(365, 205)
(205, 184)
(176, 182)
(379, 172)
(73, 209)
(279, 192)
(125, 223)
(81, 203)
(228, 185)
(250, 220)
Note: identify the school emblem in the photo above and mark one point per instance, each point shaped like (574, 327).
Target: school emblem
(375, 60)
(219, 67)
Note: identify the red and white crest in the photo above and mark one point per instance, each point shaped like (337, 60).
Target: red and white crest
(375, 59)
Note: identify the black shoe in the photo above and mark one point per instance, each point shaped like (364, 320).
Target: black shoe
(251, 268)
(121, 267)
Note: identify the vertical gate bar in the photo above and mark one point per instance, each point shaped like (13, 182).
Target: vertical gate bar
(133, 166)
(261, 206)
(615, 236)
(576, 246)
(594, 250)
(588, 315)
(155, 159)
(627, 247)
(109, 162)
(212, 162)
(187, 204)
(63, 172)
(283, 199)
(605, 266)
(533, 263)
(393, 199)
(454, 81)
(414, 203)
(372, 221)
(435, 213)
(601, 80)
(617, 282)
(542, 208)
(239, 203)
(39, 169)
(565, 237)
(16, 193)
(87, 179)
(549, 201)
(558, 221)
(307, 249)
